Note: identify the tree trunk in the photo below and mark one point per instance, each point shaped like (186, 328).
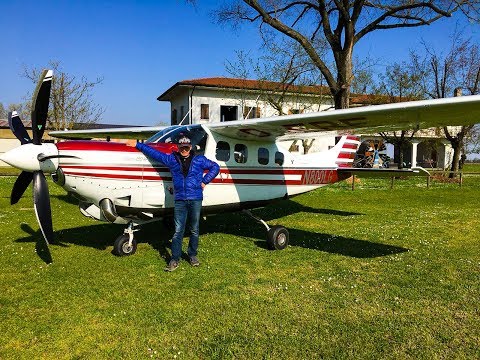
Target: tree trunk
(457, 149)
(342, 99)
(343, 60)
(400, 158)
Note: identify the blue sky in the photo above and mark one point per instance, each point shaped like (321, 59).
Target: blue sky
(141, 48)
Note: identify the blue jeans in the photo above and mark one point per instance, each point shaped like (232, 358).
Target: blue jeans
(186, 210)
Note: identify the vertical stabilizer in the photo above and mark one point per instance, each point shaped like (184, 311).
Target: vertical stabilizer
(346, 147)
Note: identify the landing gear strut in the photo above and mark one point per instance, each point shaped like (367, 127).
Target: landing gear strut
(277, 235)
(126, 244)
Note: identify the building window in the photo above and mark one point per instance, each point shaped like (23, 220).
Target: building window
(182, 113)
(174, 117)
(251, 112)
(228, 113)
(263, 156)
(279, 158)
(240, 153)
(204, 111)
(223, 151)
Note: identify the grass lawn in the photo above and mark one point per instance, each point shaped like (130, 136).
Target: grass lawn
(371, 273)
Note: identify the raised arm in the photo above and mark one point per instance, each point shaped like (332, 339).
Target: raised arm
(154, 154)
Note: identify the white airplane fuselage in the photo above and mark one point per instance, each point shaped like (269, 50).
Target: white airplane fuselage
(141, 189)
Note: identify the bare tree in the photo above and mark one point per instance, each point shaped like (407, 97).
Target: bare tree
(456, 71)
(281, 72)
(400, 83)
(472, 141)
(23, 110)
(342, 24)
(71, 103)
(3, 112)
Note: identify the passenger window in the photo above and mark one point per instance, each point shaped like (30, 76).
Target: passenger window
(240, 153)
(279, 158)
(263, 156)
(223, 151)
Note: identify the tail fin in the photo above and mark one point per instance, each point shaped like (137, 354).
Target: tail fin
(347, 146)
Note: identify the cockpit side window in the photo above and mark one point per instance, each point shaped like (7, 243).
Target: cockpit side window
(196, 133)
(223, 151)
(279, 158)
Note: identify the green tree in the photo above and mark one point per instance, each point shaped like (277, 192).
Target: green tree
(342, 24)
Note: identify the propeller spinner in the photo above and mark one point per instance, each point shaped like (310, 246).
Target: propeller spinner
(33, 157)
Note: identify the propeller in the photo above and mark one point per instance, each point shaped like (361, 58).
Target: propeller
(32, 171)
(17, 128)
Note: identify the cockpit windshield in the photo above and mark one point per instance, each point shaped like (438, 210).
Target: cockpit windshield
(195, 133)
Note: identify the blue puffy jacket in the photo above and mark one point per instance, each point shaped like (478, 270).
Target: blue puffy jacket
(190, 187)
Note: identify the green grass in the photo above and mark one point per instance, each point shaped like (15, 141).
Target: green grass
(373, 273)
(8, 171)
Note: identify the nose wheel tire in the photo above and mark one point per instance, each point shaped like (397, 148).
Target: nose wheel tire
(277, 238)
(121, 246)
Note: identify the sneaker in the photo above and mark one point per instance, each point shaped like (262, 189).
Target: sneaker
(194, 261)
(172, 265)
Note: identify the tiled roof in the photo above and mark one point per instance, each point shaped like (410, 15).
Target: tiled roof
(253, 85)
(248, 84)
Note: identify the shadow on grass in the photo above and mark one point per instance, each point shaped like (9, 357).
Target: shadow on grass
(289, 207)
(99, 237)
(238, 224)
(103, 235)
(342, 245)
(310, 240)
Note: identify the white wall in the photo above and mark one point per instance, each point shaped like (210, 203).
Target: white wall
(216, 98)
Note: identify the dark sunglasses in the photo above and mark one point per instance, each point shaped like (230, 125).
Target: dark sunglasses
(184, 148)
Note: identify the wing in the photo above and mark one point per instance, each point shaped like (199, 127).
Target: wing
(138, 133)
(368, 119)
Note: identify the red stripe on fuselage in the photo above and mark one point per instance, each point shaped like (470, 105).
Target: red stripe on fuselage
(307, 176)
(90, 145)
(95, 145)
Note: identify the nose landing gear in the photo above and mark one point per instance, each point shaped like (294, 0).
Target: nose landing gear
(126, 244)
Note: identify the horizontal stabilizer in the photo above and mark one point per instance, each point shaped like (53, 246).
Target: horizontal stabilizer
(382, 173)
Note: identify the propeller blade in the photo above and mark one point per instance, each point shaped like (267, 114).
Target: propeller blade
(21, 184)
(40, 101)
(41, 203)
(18, 129)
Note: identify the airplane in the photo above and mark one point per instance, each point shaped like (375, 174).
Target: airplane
(116, 183)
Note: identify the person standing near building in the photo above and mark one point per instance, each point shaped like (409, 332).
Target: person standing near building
(188, 183)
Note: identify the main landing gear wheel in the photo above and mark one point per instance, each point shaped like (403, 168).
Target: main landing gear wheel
(122, 246)
(277, 237)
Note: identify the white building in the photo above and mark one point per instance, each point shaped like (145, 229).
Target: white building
(217, 99)
(225, 99)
